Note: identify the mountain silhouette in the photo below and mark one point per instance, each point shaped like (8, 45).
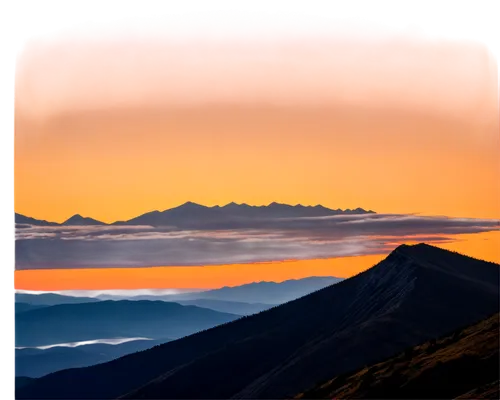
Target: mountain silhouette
(113, 319)
(78, 220)
(190, 213)
(24, 220)
(464, 364)
(417, 293)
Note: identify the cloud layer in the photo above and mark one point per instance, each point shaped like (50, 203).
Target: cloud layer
(232, 241)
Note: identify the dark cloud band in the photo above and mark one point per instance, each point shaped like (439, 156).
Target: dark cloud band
(232, 241)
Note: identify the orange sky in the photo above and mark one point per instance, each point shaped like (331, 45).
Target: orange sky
(114, 128)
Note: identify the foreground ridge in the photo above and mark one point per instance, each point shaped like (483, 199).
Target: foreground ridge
(463, 363)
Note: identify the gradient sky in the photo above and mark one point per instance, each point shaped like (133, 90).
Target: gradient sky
(117, 123)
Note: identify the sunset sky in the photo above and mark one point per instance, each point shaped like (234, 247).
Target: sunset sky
(138, 112)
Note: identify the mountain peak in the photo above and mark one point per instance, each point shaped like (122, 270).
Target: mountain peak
(77, 219)
(421, 253)
(406, 249)
(415, 247)
(275, 204)
(191, 204)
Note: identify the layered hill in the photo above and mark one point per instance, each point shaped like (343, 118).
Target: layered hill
(23, 307)
(417, 293)
(34, 362)
(51, 299)
(464, 364)
(113, 319)
(263, 292)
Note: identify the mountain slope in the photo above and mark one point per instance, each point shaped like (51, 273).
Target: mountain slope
(23, 307)
(24, 220)
(415, 294)
(232, 307)
(451, 366)
(22, 381)
(113, 319)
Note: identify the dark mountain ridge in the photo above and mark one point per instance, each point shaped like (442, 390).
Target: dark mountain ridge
(465, 363)
(24, 220)
(417, 293)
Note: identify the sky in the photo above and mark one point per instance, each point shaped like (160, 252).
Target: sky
(121, 110)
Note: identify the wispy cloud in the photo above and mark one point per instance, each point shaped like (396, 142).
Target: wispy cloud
(233, 241)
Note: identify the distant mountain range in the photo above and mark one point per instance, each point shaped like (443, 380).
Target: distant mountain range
(191, 213)
(262, 294)
(416, 294)
(245, 299)
(113, 319)
(149, 239)
(232, 307)
(229, 306)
